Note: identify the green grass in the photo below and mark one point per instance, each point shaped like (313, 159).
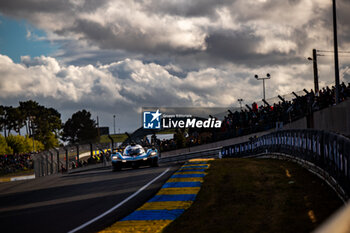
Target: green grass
(116, 138)
(19, 173)
(167, 131)
(256, 195)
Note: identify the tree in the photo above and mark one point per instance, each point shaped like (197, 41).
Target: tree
(2, 119)
(44, 124)
(21, 144)
(38, 146)
(14, 119)
(4, 147)
(29, 109)
(11, 119)
(180, 138)
(51, 140)
(18, 144)
(80, 128)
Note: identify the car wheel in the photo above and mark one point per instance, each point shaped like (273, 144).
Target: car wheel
(155, 162)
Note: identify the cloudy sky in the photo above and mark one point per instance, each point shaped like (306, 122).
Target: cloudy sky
(115, 56)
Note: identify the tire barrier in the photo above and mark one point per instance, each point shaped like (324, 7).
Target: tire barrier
(328, 152)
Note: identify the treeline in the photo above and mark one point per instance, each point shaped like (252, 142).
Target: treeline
(43, 126)
(17, 144)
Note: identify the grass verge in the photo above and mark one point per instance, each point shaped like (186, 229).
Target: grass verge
(19, 173)
(258, 195)
(116, 138)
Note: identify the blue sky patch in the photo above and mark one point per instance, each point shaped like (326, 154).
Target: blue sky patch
(19, 38)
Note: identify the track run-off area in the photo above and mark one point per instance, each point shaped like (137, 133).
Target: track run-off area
(87, 201)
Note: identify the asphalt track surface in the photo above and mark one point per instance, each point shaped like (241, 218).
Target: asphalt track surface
(61, 203)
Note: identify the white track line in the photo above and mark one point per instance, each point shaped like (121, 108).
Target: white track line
(118, 205)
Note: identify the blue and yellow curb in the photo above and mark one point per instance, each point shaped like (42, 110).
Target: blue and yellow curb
(175, 196)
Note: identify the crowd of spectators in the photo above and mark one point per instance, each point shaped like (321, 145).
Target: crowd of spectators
(264, 117)
(15, 163)
(256, 118)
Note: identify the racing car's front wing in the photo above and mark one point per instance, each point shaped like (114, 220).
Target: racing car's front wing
(149, 161)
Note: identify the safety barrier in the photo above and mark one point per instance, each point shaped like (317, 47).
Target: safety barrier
(64, 159)
(209, 153)
(327, 151)
(61, 159)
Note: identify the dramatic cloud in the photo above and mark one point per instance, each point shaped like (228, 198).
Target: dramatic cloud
(243, 28)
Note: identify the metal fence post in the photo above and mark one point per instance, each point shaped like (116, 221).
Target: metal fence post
(51, 155)
(77, 146)
(67, 162)
(91, 151)
(58, 159)
(47, 163)
(36, 165)
(104, 159)
(42, 165)
(110, 138)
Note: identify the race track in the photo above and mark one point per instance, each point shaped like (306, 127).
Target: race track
(62, 203)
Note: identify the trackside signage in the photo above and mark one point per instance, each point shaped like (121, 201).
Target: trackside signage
(157, 119)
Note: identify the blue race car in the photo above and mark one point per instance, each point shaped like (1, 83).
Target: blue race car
(134, 156)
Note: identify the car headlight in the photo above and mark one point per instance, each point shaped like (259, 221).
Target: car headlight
(115, 158)
(153, 153)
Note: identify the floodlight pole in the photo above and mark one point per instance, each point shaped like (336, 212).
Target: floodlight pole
(98, 129)
(264, 87)
(240, 103)
(314, 60)
(32, 127)
(336, 61)
(263, 79)
(114, 123)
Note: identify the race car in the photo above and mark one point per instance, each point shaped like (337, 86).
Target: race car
(134, 156)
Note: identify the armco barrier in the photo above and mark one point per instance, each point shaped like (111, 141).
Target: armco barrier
(210, 153)
(327, 151)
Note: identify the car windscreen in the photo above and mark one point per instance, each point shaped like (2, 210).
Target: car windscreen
(133, 152)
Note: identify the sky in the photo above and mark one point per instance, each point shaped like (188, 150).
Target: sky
(113, 57)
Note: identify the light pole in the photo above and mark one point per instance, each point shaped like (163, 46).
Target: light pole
(240, 103)
(314, 59)
(98, 129)
(32, 128)
(263, 79)
(336, 62)
(114, 123)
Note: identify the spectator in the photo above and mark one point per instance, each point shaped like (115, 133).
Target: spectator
(15, 163)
